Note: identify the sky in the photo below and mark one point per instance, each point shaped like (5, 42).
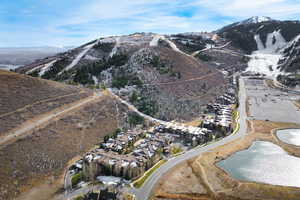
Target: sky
(74, 22)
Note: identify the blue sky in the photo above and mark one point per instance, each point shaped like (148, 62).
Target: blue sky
(73, 22)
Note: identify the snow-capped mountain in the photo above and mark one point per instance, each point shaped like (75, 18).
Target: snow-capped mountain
(273, 44)
(255, 20)
(243, 34)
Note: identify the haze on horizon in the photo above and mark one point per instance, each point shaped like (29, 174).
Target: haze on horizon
(73, 22)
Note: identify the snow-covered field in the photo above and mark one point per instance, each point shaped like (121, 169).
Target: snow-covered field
(265, 59)
(79, 56)
(46, 67)
(264, 63)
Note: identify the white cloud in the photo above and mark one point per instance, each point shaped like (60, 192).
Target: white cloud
(94, 18)
(281, 9)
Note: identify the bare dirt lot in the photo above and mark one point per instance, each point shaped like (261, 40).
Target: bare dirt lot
(218, 184)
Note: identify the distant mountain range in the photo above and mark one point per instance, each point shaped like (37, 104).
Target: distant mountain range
(275, 45)
(16, 56)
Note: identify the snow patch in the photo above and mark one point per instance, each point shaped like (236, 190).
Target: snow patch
(47, 67)
(96, 81)
(80, 56)
(275, 42)
(108, 40)
(115, 49)
(264, 64)
(255, 20)
(155, 40)
(89, 57)
(173, 46)
(292, 44)
(265, 59)
(259, 43)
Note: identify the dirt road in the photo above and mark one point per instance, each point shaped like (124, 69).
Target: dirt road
(26, 128)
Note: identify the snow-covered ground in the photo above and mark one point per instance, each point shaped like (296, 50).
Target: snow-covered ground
(156, 38)
(154, 41)
(265, 64)
(265, 59)
(80, 56)
(255, 20)
(115, 49)
(46, 67)
(95, 80)
(89, 57)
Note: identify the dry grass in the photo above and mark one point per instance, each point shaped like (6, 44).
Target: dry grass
(23, 98)
(41, 158)
(195, 123)
(180, 183)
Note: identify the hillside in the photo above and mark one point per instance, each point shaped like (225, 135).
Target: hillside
(24, 98)
(155, 72)
(273, 45)
(32, 164)
(242, 34)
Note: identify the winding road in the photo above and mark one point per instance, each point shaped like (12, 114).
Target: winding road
(145, 191)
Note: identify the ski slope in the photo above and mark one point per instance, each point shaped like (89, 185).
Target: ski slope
(80, 56)
(265, 59)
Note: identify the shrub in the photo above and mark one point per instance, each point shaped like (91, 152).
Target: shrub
(204, 57)
(77, 178)
(135, 119)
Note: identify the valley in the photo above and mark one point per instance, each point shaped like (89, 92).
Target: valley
(153, 116)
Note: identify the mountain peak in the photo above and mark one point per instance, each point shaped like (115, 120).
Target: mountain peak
(256, 19)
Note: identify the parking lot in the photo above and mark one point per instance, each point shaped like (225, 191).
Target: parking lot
(266, 103)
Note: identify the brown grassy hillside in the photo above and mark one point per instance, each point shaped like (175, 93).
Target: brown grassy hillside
(23, 98)
(36, 160)
(41, 157)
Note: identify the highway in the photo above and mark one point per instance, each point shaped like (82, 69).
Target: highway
(145, 191)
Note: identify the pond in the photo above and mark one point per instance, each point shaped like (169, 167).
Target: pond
(289, 136)
(264, 162)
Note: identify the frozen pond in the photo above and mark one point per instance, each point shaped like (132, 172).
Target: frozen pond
(289, 136)
(264, 162)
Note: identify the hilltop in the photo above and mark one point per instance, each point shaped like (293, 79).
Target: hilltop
(158, 73)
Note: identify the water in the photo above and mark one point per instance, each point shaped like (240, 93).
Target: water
(289, 136)
(264, 162)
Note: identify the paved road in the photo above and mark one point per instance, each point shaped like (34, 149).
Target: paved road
(144, 192)
(68, 182)
(80, 192)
